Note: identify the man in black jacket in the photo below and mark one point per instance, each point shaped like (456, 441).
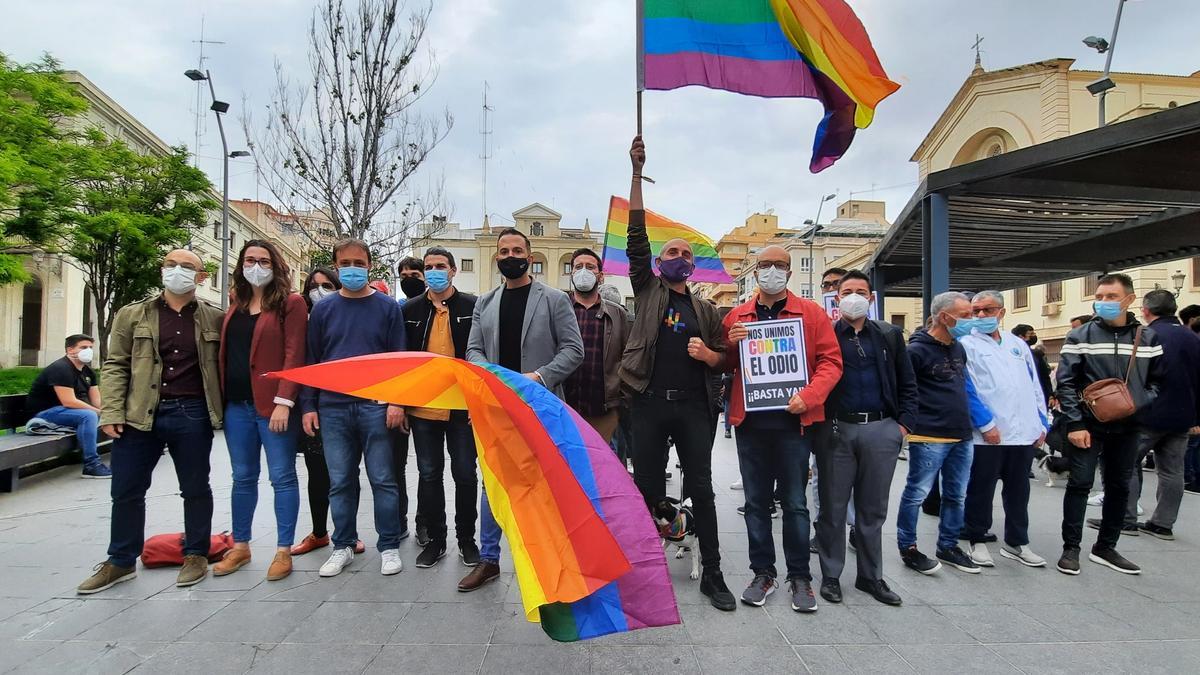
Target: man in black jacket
(439, 321)
(1101, 349)
(870, 411)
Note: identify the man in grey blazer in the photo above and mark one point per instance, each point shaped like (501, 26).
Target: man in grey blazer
(527, 327)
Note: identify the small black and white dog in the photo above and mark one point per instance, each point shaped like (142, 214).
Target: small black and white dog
(677, 526)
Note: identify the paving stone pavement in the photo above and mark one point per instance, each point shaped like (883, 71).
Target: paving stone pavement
(1008, 619)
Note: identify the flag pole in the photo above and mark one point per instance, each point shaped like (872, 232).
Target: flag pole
(641, 62)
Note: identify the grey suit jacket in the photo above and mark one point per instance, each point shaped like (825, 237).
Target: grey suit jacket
(550, 341)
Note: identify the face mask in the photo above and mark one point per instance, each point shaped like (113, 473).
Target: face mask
(353, 278)
(412, 286)
(317, 293)
(961, 327)
(987, 325)
(84, 355)
(584, 280)
(1031, 340)
(854, 307)
(179, 280)
(437, 280)
(513, 267)
(257, 276)
(675, 270)
(772, 280)
(1107, 309)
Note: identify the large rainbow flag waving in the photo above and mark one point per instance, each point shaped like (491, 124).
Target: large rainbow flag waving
(587, 555)
(776, 48)
(660, 230)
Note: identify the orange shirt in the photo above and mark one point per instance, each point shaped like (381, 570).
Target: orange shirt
(440, 342)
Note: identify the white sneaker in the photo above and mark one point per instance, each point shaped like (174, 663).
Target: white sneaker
(736, 485)
(391, 562)
(1023, 555)
(1141, 511)
(1096, 499)
(903, 454)
(979, 554)
(337, 561)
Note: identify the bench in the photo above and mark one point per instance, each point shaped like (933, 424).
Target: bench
(34, 453)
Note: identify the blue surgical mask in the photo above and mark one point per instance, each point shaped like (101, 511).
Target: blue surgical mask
(987, 325)
(437, 280)
(353, 278)
(962, 328)
(1107, 309)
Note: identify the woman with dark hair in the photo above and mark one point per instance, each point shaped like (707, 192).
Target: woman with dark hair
(321, 282)
(264, 331)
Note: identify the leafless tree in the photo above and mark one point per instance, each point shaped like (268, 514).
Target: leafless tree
(348, 138)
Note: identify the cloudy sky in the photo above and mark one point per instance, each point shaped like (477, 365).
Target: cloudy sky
(561, 77)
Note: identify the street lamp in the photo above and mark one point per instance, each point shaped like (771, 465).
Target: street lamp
(1101, 86)
(219, 108)
(812, 235)
(1177, 280)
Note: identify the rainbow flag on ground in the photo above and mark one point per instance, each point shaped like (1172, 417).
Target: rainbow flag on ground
(776, 48)
(660, 230)
(587, 555)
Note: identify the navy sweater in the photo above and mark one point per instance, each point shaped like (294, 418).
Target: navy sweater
(942, 407)
(341, 327)
(1177, 407)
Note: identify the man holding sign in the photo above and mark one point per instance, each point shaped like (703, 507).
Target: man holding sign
(785, 359)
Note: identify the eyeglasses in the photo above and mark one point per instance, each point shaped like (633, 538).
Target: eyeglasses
(171, 264)
(829, 285)
(858, 345)
(264, 263)
(986, 311)
(778, 264)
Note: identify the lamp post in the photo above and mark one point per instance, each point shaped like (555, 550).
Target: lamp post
(812, 235)
(1177, 280)
(1101, 86)
(219, 108)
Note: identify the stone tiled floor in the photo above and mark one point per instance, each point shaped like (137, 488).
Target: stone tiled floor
(1007, 619)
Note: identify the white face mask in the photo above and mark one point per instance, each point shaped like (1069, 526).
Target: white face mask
(257, 276)
(85, 355)
(179, 280)
(584, 280)
(772, 280)
(854, 306)
(317, 293)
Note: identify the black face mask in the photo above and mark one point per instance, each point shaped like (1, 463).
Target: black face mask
(513, 267)
(412, 286)
(1031, 340)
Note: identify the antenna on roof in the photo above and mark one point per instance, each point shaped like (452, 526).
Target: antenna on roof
(198, 112)
(485, 132)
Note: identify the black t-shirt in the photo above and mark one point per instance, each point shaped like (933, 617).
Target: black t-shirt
(673, 368)
(238, 337)
(61, 373)
(512, 322)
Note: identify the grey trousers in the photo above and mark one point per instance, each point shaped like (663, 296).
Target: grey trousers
(858, 459)
(1169, 448)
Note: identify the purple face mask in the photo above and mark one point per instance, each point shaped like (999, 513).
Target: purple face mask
(676, 270)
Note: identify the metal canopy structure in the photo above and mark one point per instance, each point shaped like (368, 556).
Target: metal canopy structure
(1120, 196)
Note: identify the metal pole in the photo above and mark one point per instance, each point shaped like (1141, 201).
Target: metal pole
(1112, 46)
(812, 235)
(224, 285)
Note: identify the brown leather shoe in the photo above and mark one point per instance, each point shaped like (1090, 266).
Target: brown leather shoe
(310, 543)
(359, 547)
(480, 575)
(280, 567)
(234, 560)
(195, 568)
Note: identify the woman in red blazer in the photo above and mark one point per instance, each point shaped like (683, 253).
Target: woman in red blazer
(264, 331)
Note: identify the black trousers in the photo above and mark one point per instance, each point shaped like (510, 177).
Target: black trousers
(399, 443)
(1007, 463)
(1119, 451)
(689, 423)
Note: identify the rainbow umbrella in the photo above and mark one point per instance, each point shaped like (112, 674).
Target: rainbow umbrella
(587, 555)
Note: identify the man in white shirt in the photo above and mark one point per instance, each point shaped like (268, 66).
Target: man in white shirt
(1009, 414)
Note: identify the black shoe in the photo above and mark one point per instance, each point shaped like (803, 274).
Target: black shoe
(423, 537)
(1127, 529)
(712, 584)
(932, 508)
(728, 435)
(852, 542)
(803, 599)
(915, 560)
(955, 558)
(1164, 533)
(1113, 560)
(989, 538)
(812, 546)
(878, 590)
(431, 554)
(831, 590)
(1149, 463)
(1069, 562)
(469, 553)
(774, 512)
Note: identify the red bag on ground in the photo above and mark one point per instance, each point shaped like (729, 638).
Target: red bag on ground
(163, 550)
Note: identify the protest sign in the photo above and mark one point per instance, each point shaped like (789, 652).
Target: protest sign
(773, 364)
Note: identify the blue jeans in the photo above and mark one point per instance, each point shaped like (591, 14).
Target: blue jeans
(355, 432)
(767, 457)
(245, 432)
(184, 427)
(924, 462)
(85, 422)
(489, 531)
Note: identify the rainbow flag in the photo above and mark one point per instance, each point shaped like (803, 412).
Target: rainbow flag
(587, 555)
(775, 48)
(660, 230)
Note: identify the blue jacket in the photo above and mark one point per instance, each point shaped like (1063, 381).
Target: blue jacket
(941, 370)
(1177, 407)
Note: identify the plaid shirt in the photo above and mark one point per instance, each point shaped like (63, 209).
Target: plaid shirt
(585, 387)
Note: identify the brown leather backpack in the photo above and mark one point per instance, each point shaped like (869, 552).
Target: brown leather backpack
(1109, 399)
